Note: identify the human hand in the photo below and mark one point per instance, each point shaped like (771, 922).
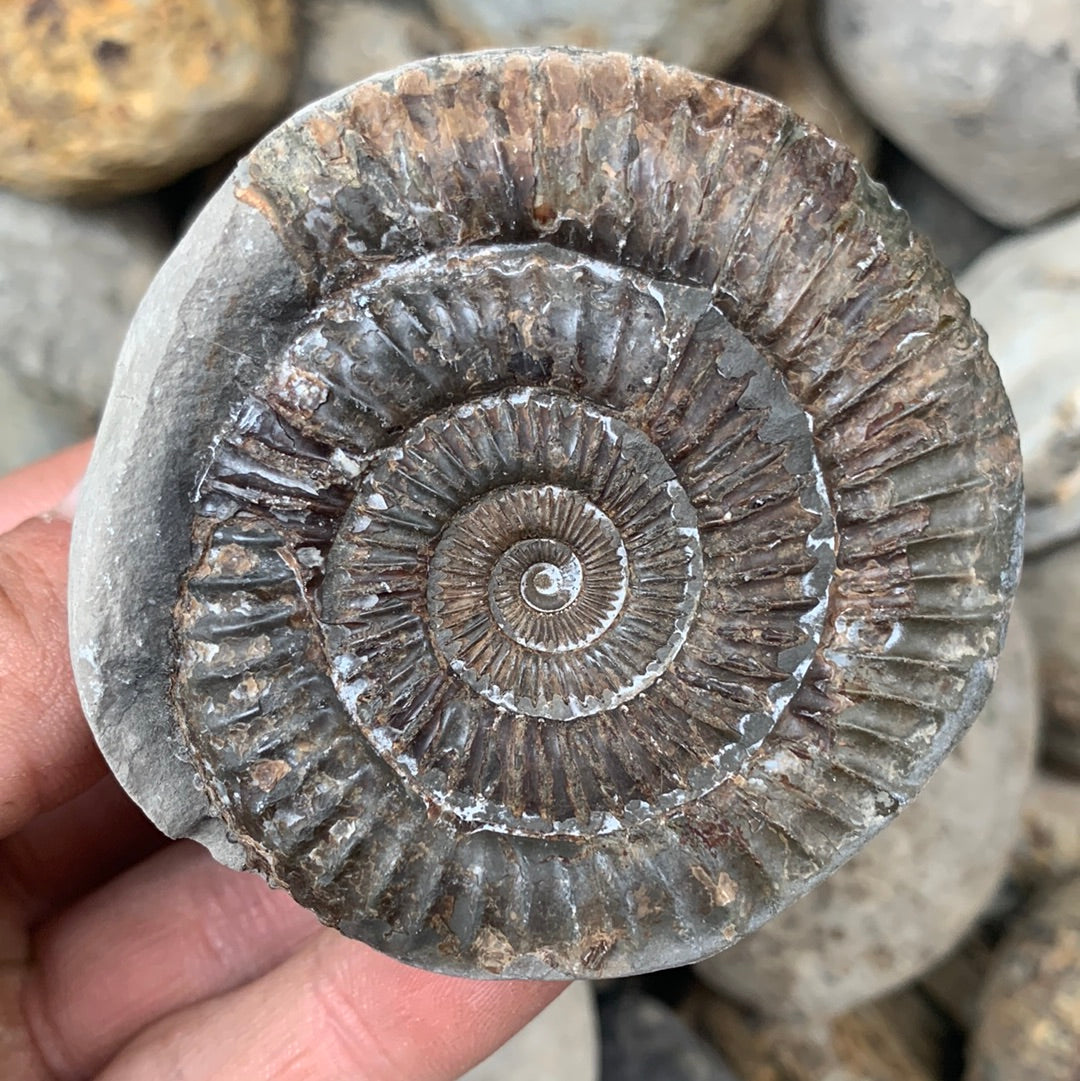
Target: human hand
(124, 956)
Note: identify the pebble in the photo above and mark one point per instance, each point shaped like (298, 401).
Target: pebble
(70, 280)
(561, 1042)
(909, 895)
(1050, 591)
(643, 1040)
(899, 1038)
(1049, 847)
(705, 35)
(348, 40)
(983, 93)
(103, 99)
(1025, 291)
(1029, 1029)
(785, 64)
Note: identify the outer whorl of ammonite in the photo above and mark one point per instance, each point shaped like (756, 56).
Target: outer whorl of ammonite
(574, 513)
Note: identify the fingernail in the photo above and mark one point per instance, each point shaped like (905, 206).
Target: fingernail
(67, 506)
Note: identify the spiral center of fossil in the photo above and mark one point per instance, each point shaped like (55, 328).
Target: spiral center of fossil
(556, 590)
(543, 586)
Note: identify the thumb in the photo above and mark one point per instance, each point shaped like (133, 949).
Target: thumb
(47, 754)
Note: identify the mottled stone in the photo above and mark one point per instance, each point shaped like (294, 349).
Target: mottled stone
(99, 100)
(706, 35)
(348, 40)
(912, 892)
(958, 234)
(982, 93)
(643, 1040)
(1030, 1021)
(70, 281)
(1026, 293)
(899, 1038)
(562, 1042)
(1049, 846)
(785, 63)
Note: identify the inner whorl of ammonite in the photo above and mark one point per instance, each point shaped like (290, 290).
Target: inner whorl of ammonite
(564, 587)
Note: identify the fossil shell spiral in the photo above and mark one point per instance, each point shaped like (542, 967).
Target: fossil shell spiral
(553, 507)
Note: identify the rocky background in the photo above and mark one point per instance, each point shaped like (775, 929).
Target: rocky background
(949, 948)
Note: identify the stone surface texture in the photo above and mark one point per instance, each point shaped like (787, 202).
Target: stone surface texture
(1025, 291)
(785, 63)
(982, 93)
(561, 1042)
(908, 897)
(707, 641)
(1030, 1023)
(643, 1040)
(705, 35)
(104, 99)
(348, 40)
(70, 281)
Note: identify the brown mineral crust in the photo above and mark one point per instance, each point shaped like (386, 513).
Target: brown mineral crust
(103, 99)
(1030, 1020)
(659, 202)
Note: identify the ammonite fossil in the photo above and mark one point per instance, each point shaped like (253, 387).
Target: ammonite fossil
(552, 511)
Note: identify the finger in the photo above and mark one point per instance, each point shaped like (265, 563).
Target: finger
(74, 849)
(336, 1009)
(47, 755)
(39, 487)
(170, 932)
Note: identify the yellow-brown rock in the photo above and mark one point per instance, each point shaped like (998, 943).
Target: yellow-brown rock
(105, 97)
